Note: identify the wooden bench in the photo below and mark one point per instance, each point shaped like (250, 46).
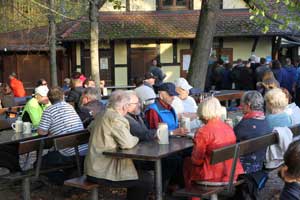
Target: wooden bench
(233, 151)
(82, 183)
(39, 145)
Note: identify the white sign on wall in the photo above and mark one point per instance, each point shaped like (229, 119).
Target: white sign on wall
(104, 63)
(186, 61)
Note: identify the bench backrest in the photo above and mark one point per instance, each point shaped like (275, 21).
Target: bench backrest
(33, 145)
(72, 140)
(245, 147)
(248, 146)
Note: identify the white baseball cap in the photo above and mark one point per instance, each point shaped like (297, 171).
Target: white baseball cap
(41, 90)
(182, 83)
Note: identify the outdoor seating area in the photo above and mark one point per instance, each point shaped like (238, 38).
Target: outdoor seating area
(155, 151)
(149, 100)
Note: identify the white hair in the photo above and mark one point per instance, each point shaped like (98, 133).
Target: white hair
(209, 108)
(276, 101)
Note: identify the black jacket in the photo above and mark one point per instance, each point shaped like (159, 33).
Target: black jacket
(139, 129)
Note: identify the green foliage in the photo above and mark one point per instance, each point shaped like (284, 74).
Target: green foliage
(26, 14)
(284, 13)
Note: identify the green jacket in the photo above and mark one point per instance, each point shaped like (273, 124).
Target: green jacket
(35, 111)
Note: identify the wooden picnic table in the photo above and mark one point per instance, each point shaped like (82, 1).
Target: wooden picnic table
(152, 151)
(225, 95)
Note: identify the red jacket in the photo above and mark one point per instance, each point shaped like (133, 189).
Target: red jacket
(213, 135)
(17, 87)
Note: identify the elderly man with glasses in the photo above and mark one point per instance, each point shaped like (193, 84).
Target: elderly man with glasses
(110, 130)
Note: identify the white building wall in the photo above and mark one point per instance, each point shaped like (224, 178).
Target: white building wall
(242, 47)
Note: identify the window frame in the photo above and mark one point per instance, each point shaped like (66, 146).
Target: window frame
(174, 6)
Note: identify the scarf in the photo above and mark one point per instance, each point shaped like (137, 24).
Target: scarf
(254, 114)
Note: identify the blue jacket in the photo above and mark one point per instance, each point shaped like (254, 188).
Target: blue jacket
(289, 80)
(167, 116)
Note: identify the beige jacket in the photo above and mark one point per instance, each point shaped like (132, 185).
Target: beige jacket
(110, 130)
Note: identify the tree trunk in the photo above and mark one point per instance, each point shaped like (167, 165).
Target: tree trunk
(52, 44)
(94, 49)
(95, 5)
(203, 42)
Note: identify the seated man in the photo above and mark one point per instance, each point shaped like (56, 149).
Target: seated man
(137, 125)
(75, 93)
(35, 107)
(162, 111)
(60, 118)
(110, 130)
(89, 83)
(145, 92)
(90, 105)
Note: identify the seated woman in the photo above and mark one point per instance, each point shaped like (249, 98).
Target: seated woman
(276, 102)
(183, 88)
(290, 173)
(292, 109)
(214, 134)
(253, 124)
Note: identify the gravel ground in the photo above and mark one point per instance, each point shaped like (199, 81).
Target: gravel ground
(42, 190)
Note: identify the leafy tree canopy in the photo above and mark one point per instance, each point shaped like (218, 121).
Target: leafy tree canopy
(284, 13)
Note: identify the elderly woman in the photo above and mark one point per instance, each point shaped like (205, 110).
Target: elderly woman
(183, 88)
(276, 102)
(214, 134)
(253, 124)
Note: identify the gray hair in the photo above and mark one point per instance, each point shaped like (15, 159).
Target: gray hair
(119, 98)
(254, 99)
(92, 93)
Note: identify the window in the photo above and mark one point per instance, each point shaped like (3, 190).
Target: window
(174, 4)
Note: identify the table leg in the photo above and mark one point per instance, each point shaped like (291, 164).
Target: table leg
(158, 180)
(26, 188)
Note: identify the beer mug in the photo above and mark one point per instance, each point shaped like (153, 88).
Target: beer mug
(17, 126)
(27, 127)
(185, 122)
(162, 133)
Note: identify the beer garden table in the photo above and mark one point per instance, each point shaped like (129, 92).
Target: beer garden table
(152, 151)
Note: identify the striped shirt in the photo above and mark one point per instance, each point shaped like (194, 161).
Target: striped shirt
(61, 118)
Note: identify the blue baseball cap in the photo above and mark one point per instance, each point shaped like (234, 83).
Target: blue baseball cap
(169, 88)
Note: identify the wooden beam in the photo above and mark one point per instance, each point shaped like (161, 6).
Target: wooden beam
(254, 44)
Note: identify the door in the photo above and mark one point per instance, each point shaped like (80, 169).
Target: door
(140, 59)
(105, 64)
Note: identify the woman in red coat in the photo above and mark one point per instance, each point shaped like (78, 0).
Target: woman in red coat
(213, 135)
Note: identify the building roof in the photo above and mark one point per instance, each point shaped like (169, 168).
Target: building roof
(168, 25)
(138, 25)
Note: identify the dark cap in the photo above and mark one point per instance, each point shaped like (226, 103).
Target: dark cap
(169, 88)
(13, 74)
(149, 75)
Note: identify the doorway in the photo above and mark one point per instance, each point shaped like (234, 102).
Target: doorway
(141, 60)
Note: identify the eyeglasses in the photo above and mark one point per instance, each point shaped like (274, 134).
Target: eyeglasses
(137, 103)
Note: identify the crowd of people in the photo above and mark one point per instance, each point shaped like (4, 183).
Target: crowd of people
(256, 74)
(132, 116)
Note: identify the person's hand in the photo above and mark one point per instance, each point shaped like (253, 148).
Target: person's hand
(180, 131)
